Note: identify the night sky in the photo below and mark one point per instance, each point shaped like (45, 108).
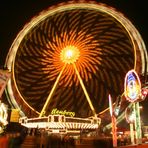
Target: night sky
(15, 14)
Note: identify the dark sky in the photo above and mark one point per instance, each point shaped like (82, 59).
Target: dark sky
(15, 14)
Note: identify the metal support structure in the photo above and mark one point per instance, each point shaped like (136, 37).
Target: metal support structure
(85, 92)
(51, 93)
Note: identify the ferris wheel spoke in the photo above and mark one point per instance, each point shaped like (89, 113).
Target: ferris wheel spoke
(51, 93)
(85, 91)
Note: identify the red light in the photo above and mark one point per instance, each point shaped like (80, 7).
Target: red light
(144, 91)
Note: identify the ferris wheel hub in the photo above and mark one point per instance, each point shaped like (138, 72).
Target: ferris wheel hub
(70, 54)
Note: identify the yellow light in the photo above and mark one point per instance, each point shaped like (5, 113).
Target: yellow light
(85, 92)
(70, 54)
(43, 111)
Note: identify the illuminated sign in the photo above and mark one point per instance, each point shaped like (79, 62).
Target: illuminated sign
(15, 115)
(55, 111)
(4, 76)
(3, 116)
(132, 86)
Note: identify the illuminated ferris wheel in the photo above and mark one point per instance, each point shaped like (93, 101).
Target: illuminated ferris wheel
(70, 57)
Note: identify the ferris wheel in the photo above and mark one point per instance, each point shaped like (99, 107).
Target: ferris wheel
(70, 57)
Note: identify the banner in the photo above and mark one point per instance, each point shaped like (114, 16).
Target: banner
(4, 77)
(15, 115)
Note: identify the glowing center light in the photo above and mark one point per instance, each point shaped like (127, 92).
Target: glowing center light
(70, 54)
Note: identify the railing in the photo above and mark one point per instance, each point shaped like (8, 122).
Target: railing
(60, 122)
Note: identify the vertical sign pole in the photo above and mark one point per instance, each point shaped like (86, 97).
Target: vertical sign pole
(132, 133)
(135, 123)
(138, 122)
(114, 122)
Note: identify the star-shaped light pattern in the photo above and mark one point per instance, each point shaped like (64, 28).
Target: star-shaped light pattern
(86, 53)
(70, 54)
(95, 41)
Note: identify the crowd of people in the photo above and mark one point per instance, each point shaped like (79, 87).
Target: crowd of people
(37, 138)
(10, 140)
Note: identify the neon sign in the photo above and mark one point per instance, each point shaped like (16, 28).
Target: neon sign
(3, 116)
(55, 111)
(132, 86)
